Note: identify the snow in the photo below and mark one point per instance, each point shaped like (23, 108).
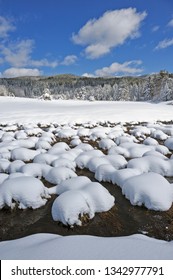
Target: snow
(76, 201)
(58, 174)
(69, 206)
(75, 183)
(23, 154)
(82, 247)
(133, 159)
(151, 190)
(169, 143)
(106, 144)
(64, 162)
(25, 191)
(152, 164)
(104, 172)
(83, 158)
(32, 110)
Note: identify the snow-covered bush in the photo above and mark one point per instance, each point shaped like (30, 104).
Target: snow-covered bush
(24, 191)
(151, 190)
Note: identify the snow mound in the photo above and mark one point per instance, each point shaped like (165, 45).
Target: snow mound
(64, 162)
(27, 192)
(75, 183)
(106, 144)
(66, 133)
(155, 164)
(42, 144)
(150, 141)
(83, 158)
(58, 174)
(69, 207)
(98, 197)
(44, 158)
(35, 169)
(23, 154)
(79, 197)
(120, 176)
(104, 172)
(151, 190)
(15, 166)
(169, 143)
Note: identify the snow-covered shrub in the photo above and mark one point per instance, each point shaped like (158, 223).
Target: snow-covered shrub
(83, 159)
(151, 190)
(15, 166)
(98, 197)
(64, 162)
(35, 169)
(24, 191)
(75, 183)
(44, 158)
(169, 143)
(23, 154)
(106, 143)
(69, 207)
(58, 174)
(104, 172)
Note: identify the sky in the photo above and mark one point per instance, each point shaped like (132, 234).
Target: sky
(85, 38)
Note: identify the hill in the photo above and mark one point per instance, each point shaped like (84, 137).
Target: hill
(155, 87)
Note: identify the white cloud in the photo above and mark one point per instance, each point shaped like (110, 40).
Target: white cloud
(18, 72)
(43, 63)
(108, 31)
(155, 28)
(69, 59)
(5, 27)
(164, 44)
(18, 55)
(88, 75)
(128, 67)
(170, 23)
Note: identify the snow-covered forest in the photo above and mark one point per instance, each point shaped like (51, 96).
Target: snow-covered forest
(154, 87)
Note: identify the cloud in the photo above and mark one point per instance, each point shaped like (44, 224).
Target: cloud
(128, 67)
(110, 30)
(18, 55)
(155, 28)
(43, 63)
(69, 59)
(170, 23)
(88, 75)
(164, 44)
(5, 27)
(18, 72)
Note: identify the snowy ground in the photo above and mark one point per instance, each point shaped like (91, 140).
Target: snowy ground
(136, 157)
(64, 111)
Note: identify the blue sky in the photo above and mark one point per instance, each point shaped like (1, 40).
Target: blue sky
(92, 38)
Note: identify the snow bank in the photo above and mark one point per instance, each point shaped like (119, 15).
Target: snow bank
(86, 248)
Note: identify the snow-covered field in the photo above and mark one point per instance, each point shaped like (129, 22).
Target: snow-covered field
(50, 140)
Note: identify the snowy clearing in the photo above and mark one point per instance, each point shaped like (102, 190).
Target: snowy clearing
(65, 111)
